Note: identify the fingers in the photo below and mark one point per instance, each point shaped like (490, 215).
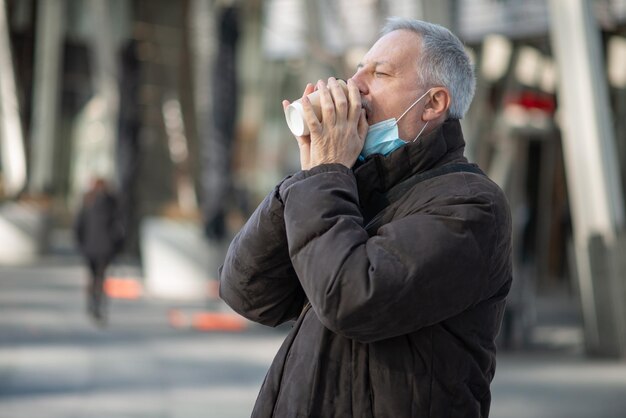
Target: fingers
(310, 88)
(309, 116)
(363, 126)
(336, 106)
(326, 104)
(354, 94)
(339, 98)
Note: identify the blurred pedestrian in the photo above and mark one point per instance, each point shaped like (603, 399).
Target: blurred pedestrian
(100, 237)
(389, 248)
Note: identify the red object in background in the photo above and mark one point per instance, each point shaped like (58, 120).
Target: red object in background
(529, 99)
(217, 321)
(206, 321)
(122, 288)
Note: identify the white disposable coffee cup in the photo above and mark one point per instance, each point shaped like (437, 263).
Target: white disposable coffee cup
(295, 114)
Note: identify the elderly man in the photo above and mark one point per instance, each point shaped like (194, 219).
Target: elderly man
(390, 250)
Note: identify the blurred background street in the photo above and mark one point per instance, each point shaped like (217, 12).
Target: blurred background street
(168, 114)
(54, 363)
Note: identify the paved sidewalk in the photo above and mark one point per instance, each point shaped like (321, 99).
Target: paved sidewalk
(552, 378)
(558, 385)
(55, 363)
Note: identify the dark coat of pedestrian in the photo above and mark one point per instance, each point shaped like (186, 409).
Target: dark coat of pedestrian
(100, 236)
(395, 268)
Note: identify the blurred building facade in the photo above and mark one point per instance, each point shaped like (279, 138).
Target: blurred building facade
(137, 91)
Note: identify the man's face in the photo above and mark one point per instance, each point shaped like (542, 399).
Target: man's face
(387, 80)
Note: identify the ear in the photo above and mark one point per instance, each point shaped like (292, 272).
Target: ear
(437, 105)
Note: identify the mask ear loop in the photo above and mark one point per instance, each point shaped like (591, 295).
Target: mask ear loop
(414, 103)
(424, 127)
(411, 107)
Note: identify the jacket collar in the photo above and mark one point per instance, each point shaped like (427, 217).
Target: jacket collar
(379, 173)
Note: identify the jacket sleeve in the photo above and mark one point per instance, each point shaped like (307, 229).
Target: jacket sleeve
(419, 269)
(257, 279)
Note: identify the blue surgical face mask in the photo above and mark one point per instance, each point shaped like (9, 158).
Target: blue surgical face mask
(382, 137)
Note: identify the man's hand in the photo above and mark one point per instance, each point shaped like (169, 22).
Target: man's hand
(304, 142)
(339, 137)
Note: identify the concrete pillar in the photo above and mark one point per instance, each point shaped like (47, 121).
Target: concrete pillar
(49, 38)
(595, 191)
(11, 135)
(105, 81)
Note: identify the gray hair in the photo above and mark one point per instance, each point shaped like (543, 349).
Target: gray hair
(443, 61)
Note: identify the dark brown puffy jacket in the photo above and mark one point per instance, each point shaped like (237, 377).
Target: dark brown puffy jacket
(396, 320)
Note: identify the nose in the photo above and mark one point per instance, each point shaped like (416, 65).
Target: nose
(359, 79)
